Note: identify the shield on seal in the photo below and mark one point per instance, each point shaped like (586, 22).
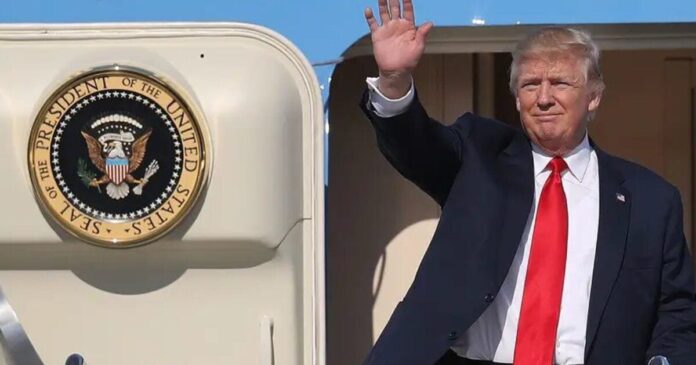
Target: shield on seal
(117, 169)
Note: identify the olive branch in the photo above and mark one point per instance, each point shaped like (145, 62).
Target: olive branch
(85, 174)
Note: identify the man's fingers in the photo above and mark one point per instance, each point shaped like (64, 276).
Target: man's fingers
(395, 9)
(408, 11)
(383, 11)
(371, 21)
(423, 30)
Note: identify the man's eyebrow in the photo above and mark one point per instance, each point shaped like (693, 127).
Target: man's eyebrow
(566, 78)
(529, 78)
(560, 77)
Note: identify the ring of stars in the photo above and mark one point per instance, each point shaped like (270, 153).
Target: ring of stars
(143, 211)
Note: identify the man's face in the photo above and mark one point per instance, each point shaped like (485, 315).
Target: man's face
(554, 99)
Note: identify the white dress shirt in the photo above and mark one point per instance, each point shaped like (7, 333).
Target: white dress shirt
(492, 336)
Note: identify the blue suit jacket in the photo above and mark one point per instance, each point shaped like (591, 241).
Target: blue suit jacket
(642, 301)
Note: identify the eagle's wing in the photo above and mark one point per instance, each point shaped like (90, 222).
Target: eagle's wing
(94, 148)
(138, 154)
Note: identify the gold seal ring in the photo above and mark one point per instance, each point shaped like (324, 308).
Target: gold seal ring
(117, 157)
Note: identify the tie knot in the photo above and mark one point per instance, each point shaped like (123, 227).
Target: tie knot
(557, 165)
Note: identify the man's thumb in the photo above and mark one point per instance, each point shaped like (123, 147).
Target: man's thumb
(423, 30)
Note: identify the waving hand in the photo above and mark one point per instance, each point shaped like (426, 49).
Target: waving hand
(397, 44)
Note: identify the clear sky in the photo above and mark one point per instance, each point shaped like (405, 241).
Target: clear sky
(324, 28)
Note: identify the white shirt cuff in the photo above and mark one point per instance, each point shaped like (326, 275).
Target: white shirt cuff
(385, 107)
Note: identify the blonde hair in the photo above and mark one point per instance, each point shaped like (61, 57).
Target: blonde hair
(550, 40)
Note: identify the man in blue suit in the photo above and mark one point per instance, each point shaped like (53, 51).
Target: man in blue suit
(548, 250)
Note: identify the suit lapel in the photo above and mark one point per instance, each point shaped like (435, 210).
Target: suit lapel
(614, 215)
(516, 176)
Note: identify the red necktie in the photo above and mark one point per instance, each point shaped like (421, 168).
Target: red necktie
(543, 286)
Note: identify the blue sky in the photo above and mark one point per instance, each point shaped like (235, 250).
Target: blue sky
(324, 28)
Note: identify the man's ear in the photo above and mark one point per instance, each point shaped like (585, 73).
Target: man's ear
(594, 102)
(517, 103)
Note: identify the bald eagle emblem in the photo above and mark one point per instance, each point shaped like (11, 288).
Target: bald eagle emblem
(117, 154)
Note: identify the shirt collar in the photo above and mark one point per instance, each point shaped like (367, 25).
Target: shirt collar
(577, 160)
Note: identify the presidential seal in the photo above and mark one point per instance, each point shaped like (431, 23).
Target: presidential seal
(117, 157)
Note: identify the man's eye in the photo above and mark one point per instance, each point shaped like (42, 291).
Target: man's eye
(529, 85)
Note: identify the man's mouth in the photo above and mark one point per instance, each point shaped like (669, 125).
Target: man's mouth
(546, 117)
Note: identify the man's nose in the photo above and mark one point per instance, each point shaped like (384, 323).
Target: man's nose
(545, 98)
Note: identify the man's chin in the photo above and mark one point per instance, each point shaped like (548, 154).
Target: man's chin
(552, 143)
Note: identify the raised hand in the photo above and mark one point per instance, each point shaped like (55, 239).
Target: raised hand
(397, 45)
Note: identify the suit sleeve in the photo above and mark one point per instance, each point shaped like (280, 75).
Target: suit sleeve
(674, 334)
(423, 150)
